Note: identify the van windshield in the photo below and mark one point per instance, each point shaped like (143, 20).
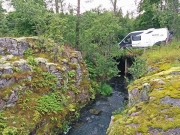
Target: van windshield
(127, 39)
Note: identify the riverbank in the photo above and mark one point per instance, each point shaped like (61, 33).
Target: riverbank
(154, 98)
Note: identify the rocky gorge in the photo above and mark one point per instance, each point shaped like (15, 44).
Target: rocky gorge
(43, 86)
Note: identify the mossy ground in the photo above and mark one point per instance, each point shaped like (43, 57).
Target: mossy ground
(152, 114)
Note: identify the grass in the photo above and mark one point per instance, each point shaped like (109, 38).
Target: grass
(169, 53)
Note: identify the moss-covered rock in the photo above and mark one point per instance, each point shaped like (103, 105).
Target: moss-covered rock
(40, 92)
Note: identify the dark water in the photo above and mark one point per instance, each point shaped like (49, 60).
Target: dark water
(91, 124)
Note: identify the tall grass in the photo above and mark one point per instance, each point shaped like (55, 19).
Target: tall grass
(165, 53)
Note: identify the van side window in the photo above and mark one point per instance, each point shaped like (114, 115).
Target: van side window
(136, 38)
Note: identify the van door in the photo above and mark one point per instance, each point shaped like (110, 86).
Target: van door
(147, 40)
(136, 41)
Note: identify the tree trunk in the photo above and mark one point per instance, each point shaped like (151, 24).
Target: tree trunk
(61, 4)
(56, 6)
(114, 4)
(77, 24)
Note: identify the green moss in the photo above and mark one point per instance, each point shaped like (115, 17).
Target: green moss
(143, 128)
(165, 66)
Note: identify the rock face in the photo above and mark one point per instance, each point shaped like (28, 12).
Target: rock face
(37, 95)
(12, 46)
(137, 95)
(154, 106)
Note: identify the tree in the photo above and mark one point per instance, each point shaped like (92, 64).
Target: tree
(57, 5)
(62, 4)
(28, 17)
(3, 23)
(77, 24)
(159, 13)
(61, 28)
(148, 18)
(169, 16)
(114, 4)
(98, 41)
(1, 10)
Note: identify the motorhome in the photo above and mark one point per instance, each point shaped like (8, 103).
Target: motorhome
(146, 38)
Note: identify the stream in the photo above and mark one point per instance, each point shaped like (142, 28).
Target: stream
(97, 124)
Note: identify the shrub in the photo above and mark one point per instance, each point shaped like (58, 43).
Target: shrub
(49, 103)
(31, 61)
(105, 89)
(72, 73)
(138, 68)
(28, 52)
(44, 80)
(10, 131)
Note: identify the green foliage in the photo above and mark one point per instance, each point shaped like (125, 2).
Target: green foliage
(65, 126)
(158, 13)
(28, 52)
(148, 18)
(138, 68)
(3, 22)
(49, 77)
(118, 111)
(49, 103)
(99, 33)
(27, 19)
(92, 70)
(72, 73)
(99, 37)
(105, 89)
(3, 124)
(36, 116)
(170, 53)
(121, 110)
(45, 80)
(94, 89)
(169, 16)
(61, 28)
(10, 131)
(31, 61)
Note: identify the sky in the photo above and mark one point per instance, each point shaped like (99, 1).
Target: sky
(125, 5)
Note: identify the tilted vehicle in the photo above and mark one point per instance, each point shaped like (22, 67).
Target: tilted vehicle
(146, 38)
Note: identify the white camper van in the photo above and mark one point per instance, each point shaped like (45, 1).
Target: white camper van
(146, 38)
